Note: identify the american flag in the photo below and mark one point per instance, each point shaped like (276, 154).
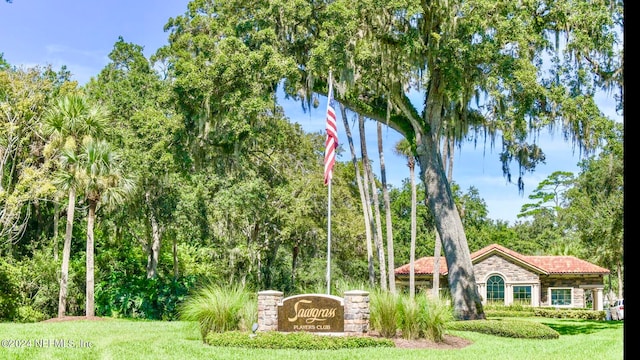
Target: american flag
(332, 137)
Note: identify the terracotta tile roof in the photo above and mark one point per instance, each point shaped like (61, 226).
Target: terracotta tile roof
(565, 265)
(542, 264)
(423, 265)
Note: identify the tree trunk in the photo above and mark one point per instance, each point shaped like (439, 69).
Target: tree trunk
(153, 251)
(462, 284)
(447, 157)
(450, 155)
(66, 254)
(294, 262)
(387, 210)
(363, 199)
(365, 188)
(412, 255)
(56, 221)
(435, 290)
(620, 283)
(377, 235)
(91, 218)
(175, 258)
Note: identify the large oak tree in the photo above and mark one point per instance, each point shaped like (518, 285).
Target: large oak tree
(504, 68)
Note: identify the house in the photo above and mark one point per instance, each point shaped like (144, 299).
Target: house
(506, 277)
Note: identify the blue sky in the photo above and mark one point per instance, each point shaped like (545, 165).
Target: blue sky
(80, 35)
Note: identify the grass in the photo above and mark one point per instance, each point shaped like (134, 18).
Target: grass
(141, 340)
(217, 308)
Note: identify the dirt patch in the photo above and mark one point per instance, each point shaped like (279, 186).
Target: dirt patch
(449, 342)
(75, 318)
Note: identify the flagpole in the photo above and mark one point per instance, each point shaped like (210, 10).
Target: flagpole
(329, 207)
(329, 241)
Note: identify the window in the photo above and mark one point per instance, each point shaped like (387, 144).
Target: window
(522, 295)
(495, 289)
(560, 297)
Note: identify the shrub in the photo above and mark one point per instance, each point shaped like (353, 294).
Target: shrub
(136, 296)
(215, 308)
(248, 314)
(512, 328)
(383, 315)
(294, 340)
(29, 286)
(518, 310)
(435, 315)
(9, 295)
(27, 314)
(38, 277)
(409, 317)
(514, 310)
(584, 314)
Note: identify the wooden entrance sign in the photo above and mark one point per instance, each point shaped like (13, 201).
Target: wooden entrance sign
(311, 312)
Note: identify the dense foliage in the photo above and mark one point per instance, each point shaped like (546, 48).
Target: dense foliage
(296, 340)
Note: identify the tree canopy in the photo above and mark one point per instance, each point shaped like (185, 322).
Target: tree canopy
(506, 69)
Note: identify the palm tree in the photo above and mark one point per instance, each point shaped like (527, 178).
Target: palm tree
(404, 148)
(370, 185)
(363, 198)
(66, 122)
(387, 210)
(67, 180)
(104, 182)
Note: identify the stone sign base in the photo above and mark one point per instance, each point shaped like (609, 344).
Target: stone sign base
(314, 313)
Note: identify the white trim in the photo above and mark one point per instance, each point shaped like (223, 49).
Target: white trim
(531, 291)
(525, 282)
(504, 284)
(571, 304)
(591, 286)
(499, 273)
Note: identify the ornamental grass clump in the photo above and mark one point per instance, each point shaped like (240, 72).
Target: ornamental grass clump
(409, 315)
(249, 313)
(435, 313)
(216, 308)
(383, 312)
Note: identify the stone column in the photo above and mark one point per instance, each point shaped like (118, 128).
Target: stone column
(356, 312)
(268, 301)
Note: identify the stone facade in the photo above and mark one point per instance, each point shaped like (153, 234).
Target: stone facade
(356, 312)
(578, 284)
(268, 310)
(513, 273)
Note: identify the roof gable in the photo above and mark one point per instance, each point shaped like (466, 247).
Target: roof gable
(508, 254)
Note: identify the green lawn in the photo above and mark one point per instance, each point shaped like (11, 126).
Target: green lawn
(129, 339)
